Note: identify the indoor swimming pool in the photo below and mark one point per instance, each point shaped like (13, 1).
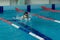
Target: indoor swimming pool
(48, 28)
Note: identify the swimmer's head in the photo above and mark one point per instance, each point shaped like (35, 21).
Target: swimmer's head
(26, 13)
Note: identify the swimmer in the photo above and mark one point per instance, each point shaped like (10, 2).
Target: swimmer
(26, 17)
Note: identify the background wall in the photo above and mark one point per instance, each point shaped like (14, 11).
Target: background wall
(39, 1)
(45, 1)
(54, 1)
(21, 2)
(4, 2)
(32, 2)
(11, 2)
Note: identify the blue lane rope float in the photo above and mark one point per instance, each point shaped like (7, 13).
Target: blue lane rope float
(1, 9)
(30, 29)
(53, 6)
(28, 8)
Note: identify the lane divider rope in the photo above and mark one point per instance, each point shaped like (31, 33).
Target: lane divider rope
(19, 27)
(43, 17)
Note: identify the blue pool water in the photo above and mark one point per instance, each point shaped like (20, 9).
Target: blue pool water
(46, 27)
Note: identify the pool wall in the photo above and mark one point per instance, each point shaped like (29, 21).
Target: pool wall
(32, 6)
(13, 7)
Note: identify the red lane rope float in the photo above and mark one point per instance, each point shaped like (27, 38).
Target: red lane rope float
(9, 22)
(6, 21)
(0, 18)
(17, 9)
(49, 9)
(43, 17)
